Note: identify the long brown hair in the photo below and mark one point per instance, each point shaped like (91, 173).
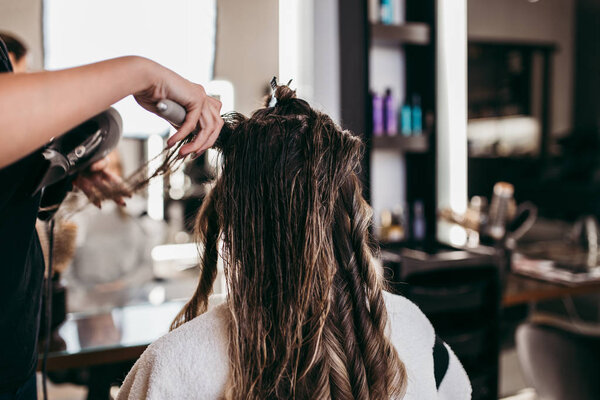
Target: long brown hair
(305, 298)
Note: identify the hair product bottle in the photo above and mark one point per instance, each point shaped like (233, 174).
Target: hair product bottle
(389, 107)
(378, 117)
(405, 117)
(418, 221)
(417, 115)
(387, 12)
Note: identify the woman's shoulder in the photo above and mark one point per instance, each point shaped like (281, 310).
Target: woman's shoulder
(202, 340)
(205, 328)
(405, 315)
(414, 338)
(189, 360)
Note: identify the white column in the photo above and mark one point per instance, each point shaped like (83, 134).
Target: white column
(451, 80)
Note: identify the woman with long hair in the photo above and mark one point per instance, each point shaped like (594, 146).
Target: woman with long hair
(306, 314)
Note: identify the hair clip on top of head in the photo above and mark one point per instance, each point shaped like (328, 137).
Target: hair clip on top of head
(274, 87)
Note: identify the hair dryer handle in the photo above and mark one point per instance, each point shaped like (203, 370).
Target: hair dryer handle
(171, 111)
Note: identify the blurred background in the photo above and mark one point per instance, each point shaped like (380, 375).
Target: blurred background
(480, 119)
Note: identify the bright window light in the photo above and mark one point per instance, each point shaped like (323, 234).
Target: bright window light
(296, 46)
(289, 40)
(451, 80)
(179, 34)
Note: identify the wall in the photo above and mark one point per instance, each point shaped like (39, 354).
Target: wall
(247, 48)
(23, 18)
(544, 20)
(309, 52)
(587, 82)
(326, 91)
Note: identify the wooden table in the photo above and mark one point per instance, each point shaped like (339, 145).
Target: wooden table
(522, 290)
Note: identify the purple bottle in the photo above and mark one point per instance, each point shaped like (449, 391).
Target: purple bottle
(378, 117)
(391, 118)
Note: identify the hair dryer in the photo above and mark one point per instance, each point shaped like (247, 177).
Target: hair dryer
(80, 147)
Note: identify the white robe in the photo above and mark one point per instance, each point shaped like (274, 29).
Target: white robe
(192, 361)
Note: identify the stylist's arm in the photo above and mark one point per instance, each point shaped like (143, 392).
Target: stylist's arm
(36, 107)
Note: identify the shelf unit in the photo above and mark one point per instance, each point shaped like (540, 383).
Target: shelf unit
(415, 39)
(416, 36)
(410, 33)
(405, 144)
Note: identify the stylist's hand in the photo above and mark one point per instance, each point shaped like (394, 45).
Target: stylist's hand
(203, 112)
(99, 183)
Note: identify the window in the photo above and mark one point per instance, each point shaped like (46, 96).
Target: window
(179, 34)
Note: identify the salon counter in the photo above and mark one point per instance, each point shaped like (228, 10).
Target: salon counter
(117, 325)
(113, 323)
(522, 290)
(121, 334)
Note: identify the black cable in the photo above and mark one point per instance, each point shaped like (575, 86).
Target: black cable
(48, 295)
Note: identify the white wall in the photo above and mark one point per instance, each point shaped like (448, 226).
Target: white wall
(247, 48)
(309, 52)
(326, 91)
(23, 18)
(544, 20)
(451, 109)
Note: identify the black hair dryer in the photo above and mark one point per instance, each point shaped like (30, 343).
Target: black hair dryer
(80, 147)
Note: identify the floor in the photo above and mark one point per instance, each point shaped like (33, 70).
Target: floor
(65, 391)
(61, 392)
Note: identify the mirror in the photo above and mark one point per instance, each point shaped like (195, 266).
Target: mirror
(145, 252)
(520, 76)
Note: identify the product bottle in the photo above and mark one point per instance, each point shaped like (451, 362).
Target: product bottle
(387, 12)
(389, 107)
(418, 221)
(405, 120)
(378, 116)
(417, 115)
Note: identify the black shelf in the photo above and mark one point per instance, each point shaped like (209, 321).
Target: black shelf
(413, 33)
(406, 144)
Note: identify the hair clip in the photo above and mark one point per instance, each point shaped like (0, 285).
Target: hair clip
(274, 87)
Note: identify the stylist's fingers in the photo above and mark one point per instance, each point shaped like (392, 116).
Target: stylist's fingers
(216, 108)
(194, 105)
(215, 135)
(210, 133)
(194, 146)
(89, 189)
(209, 125)
(191, 122)
(117, 184)
(110, 186)
(101, 183)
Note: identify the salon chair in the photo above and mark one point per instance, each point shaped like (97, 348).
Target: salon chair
(459, 291)
(560, 364)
